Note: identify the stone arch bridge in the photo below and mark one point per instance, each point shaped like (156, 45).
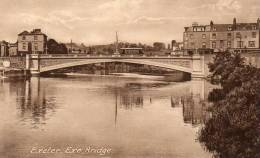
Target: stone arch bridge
(38, 64)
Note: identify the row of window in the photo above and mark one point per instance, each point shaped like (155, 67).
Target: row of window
(35, 46)
(230, 28)
(196, 29)
(229, 35)
(34, 37)
(240, 44)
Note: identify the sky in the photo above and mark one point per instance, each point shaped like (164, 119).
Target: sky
(96, 21)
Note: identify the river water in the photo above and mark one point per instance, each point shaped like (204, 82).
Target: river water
(125, 116)
(102, 116)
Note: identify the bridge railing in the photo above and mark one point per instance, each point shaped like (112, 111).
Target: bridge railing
(104, 56)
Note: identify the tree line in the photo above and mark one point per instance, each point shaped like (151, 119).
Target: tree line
(60, 48)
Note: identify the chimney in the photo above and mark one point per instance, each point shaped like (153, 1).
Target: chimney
(211, 25)
(258, 22)
(234, 23)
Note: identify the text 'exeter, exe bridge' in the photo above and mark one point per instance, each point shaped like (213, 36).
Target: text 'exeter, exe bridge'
(40, 63)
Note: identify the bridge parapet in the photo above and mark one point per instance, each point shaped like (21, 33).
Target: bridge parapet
(15, 62)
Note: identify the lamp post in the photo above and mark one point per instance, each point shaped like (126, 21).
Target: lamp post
(240, 42)
(116, 51)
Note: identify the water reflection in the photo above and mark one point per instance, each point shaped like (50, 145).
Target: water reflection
(194, 107)
(31, 101)
(113, 111)
(130, 98)
(35, 107)
(194, 110)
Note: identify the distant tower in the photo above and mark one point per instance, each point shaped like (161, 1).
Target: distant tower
(211, 24)
(116, 51)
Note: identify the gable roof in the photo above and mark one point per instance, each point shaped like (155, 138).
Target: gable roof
(34, 32)
(24, 33)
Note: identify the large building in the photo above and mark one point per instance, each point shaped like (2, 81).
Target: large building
(34, 42)
(221, 37)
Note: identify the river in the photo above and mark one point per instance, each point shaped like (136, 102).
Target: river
(125, 117)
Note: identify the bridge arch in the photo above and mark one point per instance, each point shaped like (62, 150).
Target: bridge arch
(133, 61)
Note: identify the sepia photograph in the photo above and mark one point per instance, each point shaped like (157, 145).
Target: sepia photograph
(130, 79)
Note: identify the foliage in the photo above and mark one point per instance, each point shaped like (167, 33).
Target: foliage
(233, 131)
(56, 48)
(158, 46)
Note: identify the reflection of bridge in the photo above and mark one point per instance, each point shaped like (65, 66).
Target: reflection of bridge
(193, 65)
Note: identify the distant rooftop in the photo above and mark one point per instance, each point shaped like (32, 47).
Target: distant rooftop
(34, 32)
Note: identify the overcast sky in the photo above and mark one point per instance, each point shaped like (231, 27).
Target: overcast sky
(95, 21)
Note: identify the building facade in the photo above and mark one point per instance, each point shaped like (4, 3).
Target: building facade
(34, 42)
(12, 49)
(3, 49)
(221, 37)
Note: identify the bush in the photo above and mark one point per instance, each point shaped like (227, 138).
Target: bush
(233, 131)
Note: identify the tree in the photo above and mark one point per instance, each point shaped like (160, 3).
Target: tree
(233, 131)
(158, 46)
(56, 48)
(225, 71)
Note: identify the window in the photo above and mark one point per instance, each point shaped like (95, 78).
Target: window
(214, 29)
(213, 45)
(192, 44)
(24, 38)
(254, 27)
(221, 44)
(240, 44)
(203, 36)
(229, 35)
(35, 37)
(186, 36)
(214, 36)
(24, 46)
(251, 43)
(229, 28)
(229, 44)
(238, 35)
(191, 36)
(203, 45)
(36, 46)
(253, 34)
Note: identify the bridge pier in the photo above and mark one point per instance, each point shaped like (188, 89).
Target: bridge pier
(198, 66)
(33, 64)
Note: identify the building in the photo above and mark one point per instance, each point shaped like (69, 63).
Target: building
(34, 42)
(221, 37)
(176, 46)
(3, 49)
(12, 49)
(74, 48)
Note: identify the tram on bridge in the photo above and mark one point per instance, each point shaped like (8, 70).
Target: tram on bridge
(131, 51)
